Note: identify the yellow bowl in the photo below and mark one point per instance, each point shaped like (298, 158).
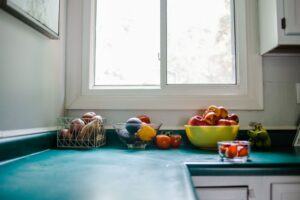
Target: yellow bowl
(207, 136)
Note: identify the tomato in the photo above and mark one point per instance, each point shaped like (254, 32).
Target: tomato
(163, 141)
(176, 141)
(231, 151)
(243, 152)
(224, 148)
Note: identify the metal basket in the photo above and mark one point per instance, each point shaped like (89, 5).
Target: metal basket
(93, 137)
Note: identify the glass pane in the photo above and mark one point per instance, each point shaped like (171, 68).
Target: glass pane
(127, 43)
(200, 44)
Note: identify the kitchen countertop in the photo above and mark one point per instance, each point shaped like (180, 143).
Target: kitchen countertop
(115, 173)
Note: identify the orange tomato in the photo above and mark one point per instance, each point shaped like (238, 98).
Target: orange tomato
(231, 151)
(176, 141)
(243, 152)
(224, 148)
(163, 141)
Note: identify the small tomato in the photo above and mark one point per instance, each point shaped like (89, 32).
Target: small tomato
(163, 141)
(243, 152)
(176, 141)
(231, 151)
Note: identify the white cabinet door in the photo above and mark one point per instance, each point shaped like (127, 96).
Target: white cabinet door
(285, 191)
(225, 193)
(292, 15)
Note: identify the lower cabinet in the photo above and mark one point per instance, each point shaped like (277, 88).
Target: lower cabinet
(247, 187)
(285, 191)
(222, 193)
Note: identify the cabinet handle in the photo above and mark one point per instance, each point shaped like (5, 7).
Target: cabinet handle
(283, 23)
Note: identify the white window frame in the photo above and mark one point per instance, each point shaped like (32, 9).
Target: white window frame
(81, 93)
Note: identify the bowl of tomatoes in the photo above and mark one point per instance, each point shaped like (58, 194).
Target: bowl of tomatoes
(137, 132)
(234, 151)
(215, 124)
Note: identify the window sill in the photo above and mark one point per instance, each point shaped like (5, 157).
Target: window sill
(174, 102)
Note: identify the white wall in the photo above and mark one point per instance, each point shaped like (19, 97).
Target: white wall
(32, 75)
(32, 84)
(280, 108)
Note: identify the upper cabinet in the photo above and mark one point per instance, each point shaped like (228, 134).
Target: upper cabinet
(279, 23)
(292, 17)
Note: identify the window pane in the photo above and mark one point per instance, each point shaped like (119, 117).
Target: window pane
(127, 43)
(200, 49)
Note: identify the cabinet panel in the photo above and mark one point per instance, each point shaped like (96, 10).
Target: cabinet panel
(222, 193)
(292, 15)
(286, 191)
(229, 187)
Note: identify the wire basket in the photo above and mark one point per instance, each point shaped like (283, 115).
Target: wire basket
(76, 133)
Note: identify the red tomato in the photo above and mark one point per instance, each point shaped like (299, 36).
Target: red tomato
(224, 148)
(176, 141)
(231, 151)
(243, 152)
(163, 141)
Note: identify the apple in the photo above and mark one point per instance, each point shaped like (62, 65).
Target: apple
(144, 118)
(232, 122)
(203, 123)
(224, 112)
(87, 117)
(195, 120)
(65, 134)
(205, 112)
(98, 118)
(215, 109)
(224, 122)
(233, 117)
(76, 125)
(210, 118)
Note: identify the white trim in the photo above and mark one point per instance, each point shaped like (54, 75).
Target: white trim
(81, 94)
(21, 132)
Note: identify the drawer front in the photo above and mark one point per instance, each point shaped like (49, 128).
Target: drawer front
(222, 193)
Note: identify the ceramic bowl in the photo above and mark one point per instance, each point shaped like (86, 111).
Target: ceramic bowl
(207, 137)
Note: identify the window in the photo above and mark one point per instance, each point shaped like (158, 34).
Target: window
(127, 43)
(163, 54)
(200, 43)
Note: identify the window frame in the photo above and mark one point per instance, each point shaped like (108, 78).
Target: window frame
(81, 93)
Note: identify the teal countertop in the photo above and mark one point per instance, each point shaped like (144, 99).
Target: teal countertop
(114, 173)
